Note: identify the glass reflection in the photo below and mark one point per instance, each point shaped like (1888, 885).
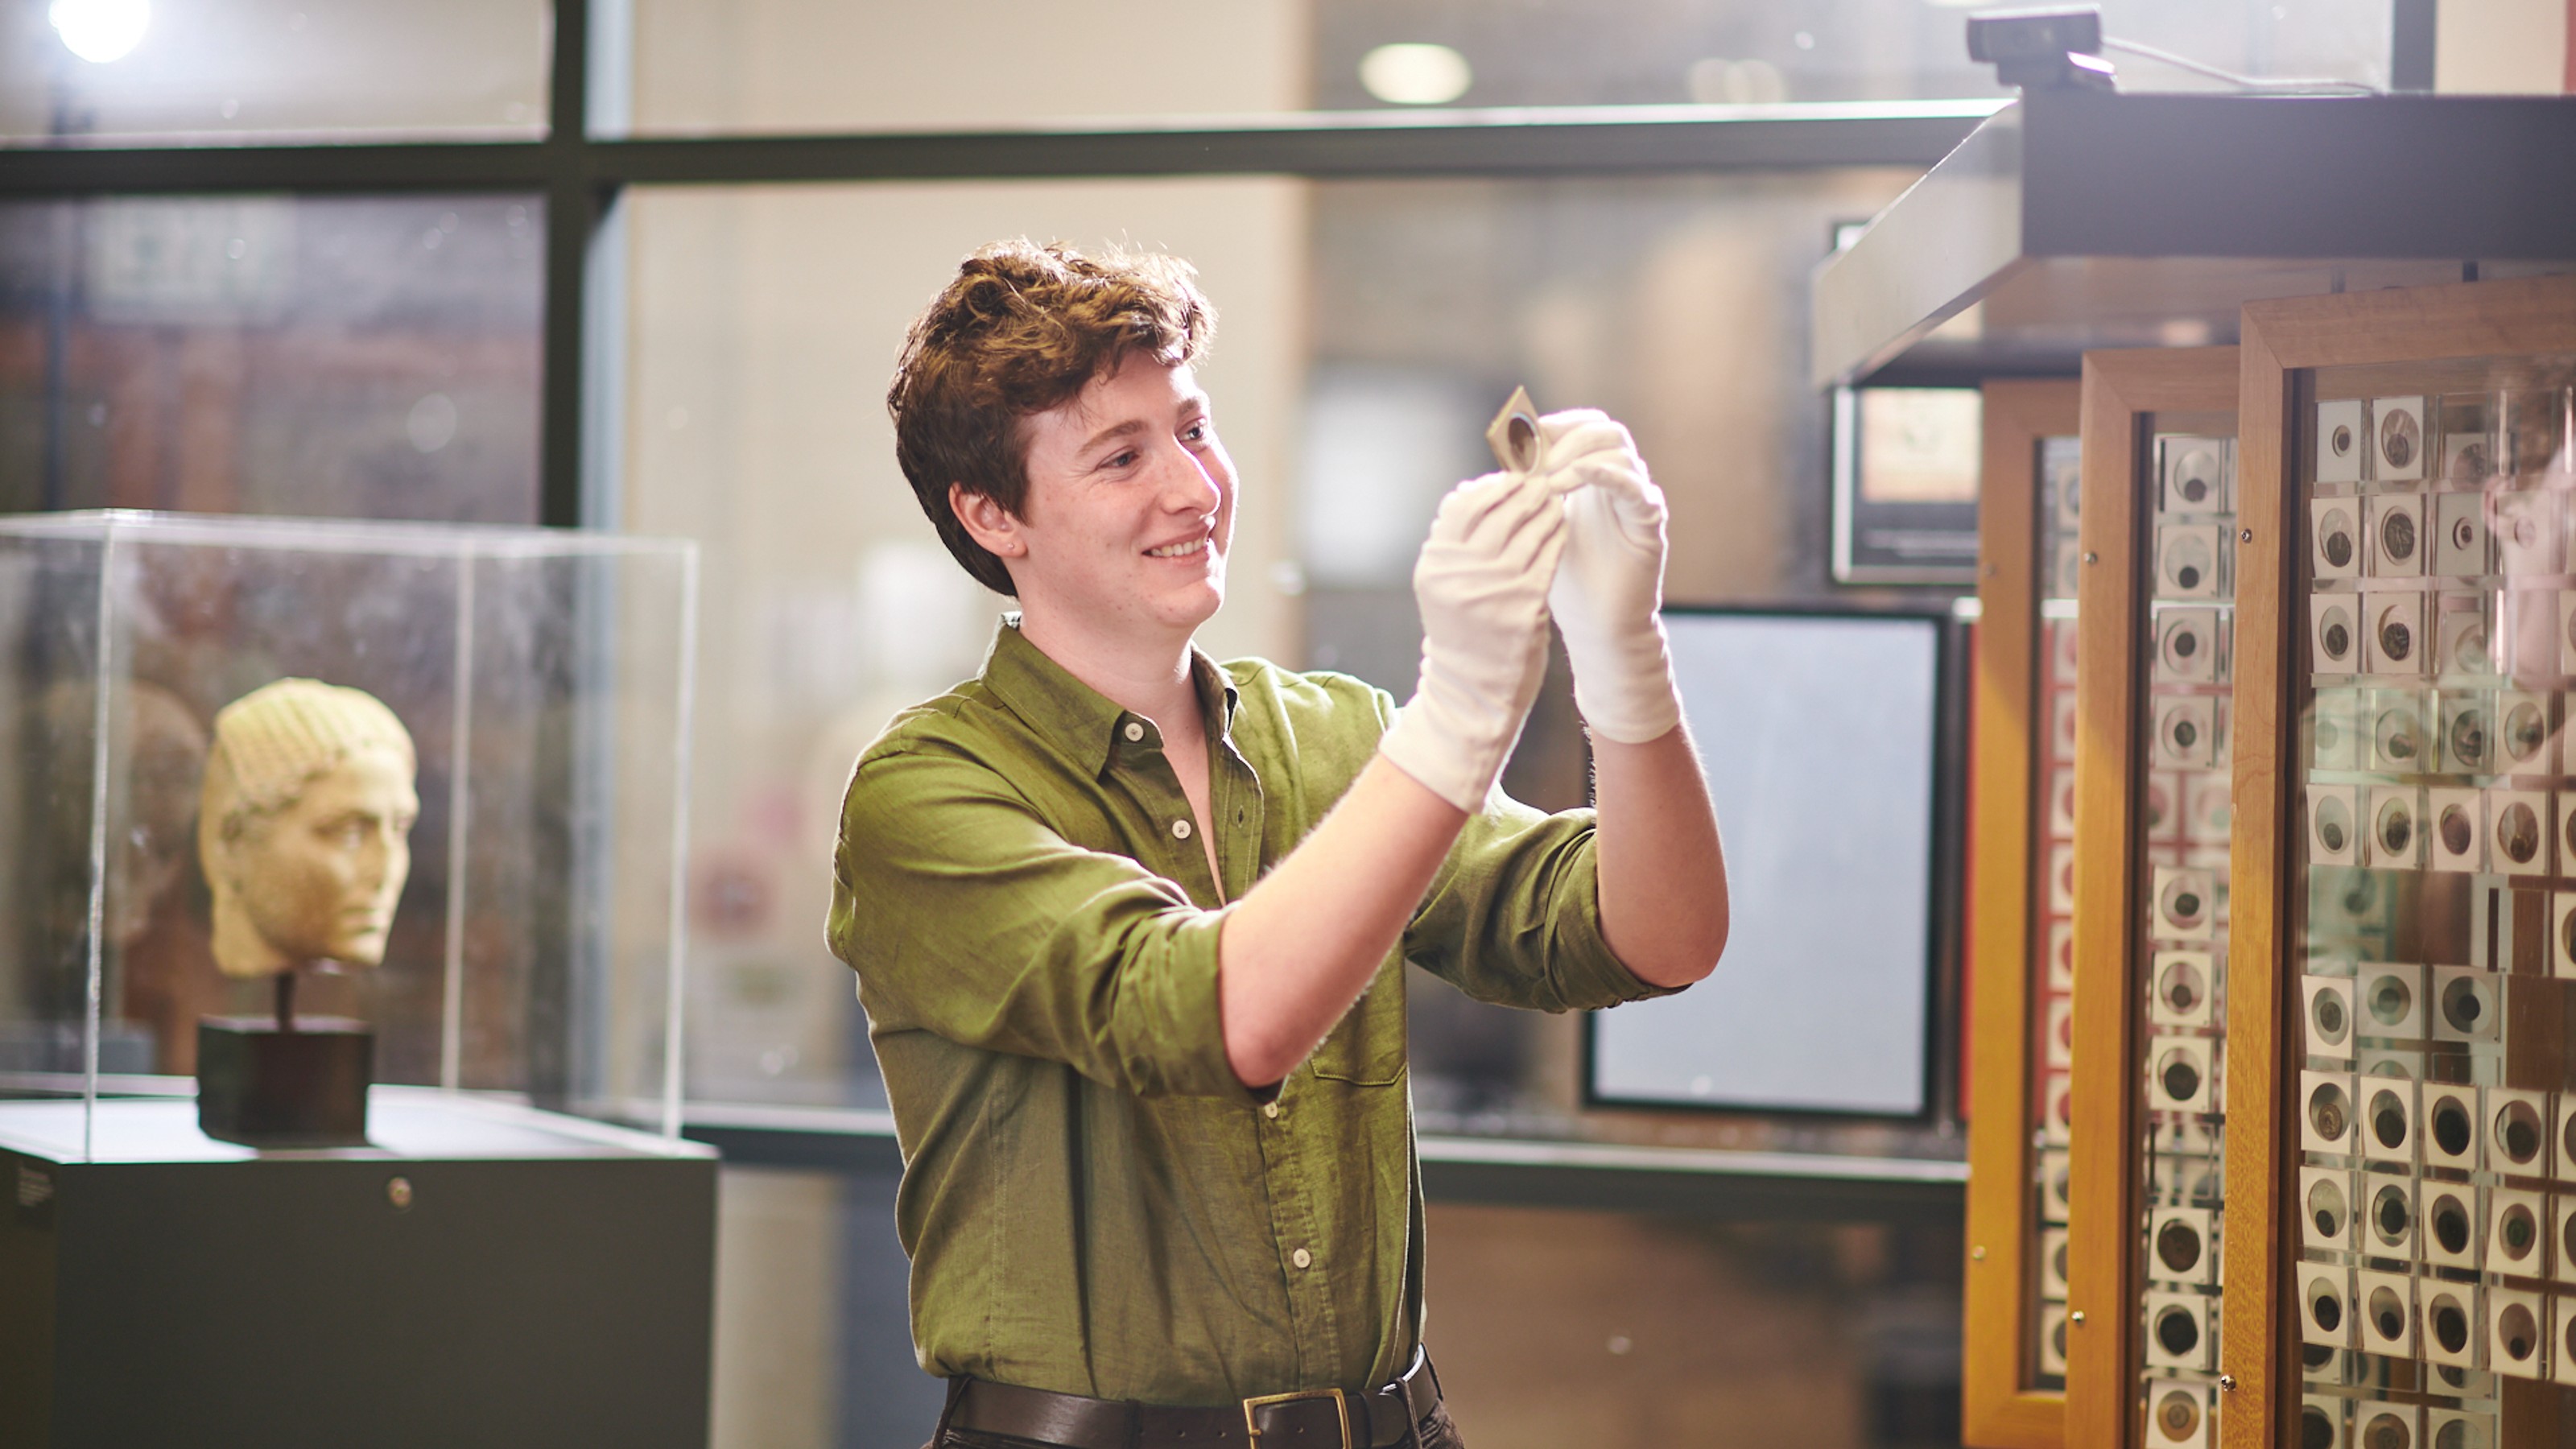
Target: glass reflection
(341, 357)
(127, 72)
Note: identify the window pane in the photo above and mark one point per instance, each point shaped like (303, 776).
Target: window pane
(823, 65)
(241, 70)
(345, 357)
(1369, 330)
(764, 329)
(1619, 52)
(813, 65)
(1676, 304)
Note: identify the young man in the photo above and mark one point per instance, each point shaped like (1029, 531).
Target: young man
(1130, 925)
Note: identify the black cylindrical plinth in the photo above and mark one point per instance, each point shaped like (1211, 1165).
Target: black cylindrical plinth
(263, 1087)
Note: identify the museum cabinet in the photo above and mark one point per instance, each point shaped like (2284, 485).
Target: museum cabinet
(2156, 587)
(2401, 1253)
(519, 1247)
(2313, 1178)
(2022, 908)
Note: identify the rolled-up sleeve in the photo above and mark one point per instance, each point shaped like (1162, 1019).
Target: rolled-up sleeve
(1514, 917)
(966, 915)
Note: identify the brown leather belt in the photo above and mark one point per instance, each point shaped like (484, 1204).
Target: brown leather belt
(1309, 1419)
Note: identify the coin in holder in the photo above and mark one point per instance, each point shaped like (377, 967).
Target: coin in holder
(2396, 732)
(2393, 633)
(2460, 534)
(2396, 529)
(2339, 446)
(2397, 438)
(1514, 433)
(2187, 646)
(2334, 535)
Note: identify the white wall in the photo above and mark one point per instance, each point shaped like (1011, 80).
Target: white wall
(2509, 47)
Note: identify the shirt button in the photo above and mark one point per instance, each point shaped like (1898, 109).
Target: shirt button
(1135, 731)
(1180, 830)
(1302, 1258)
(1270, 1110)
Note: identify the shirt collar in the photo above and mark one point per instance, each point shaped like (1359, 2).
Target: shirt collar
(1080, 720)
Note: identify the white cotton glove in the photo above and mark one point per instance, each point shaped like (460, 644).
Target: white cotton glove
(1608, 597)
(1482, 584)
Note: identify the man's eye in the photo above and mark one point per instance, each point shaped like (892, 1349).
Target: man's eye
(1198, 431)
(1120, 459)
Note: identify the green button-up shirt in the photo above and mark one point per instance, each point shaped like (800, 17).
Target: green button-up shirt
(1092, 1202)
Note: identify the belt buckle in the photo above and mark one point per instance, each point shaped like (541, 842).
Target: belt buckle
(1341, 1406)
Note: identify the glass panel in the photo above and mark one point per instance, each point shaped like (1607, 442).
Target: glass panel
(2189, 577)
(537, 688)
(821, 65)
(343, 356)
(812, 65)
(128, 72)
(1613, 52)
(765, 325)
(1368, 330)
(2051, 1099)
(1677, 304)
(2433, 939)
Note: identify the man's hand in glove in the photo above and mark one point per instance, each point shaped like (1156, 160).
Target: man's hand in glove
(1482, 585)
(1608, 595)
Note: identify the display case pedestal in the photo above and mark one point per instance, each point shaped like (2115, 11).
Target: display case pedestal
(483, 1274)
(261, 1085)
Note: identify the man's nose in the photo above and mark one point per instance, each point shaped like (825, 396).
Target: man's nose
(1187, 486)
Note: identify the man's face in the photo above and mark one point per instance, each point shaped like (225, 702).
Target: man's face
(319, 879)
(1130, 506)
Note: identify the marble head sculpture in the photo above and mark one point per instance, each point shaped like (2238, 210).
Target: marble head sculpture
(304, 827)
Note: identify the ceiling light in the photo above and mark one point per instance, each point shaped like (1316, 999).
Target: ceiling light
(1413, 74)
(100, 31)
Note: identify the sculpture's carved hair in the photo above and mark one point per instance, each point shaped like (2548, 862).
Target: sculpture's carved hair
(279, 738)
(1020, 329)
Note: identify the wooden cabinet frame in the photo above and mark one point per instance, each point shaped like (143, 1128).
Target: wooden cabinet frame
(2282, 338)
(2000, 1408)
(2121, 390)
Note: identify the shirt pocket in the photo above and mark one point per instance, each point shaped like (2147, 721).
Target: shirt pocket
(1366, 1049)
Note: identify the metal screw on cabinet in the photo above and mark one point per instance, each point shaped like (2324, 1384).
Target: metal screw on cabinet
(2227, 1383)
(2076, 1318)
(2245, 537)
(2091, 557)
(398, 1192)
(1978, 1253)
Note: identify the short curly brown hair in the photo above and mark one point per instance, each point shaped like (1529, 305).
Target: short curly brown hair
(1020, 329)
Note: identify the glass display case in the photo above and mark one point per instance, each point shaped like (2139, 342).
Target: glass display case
(534, 688)
(2021, 946)
(2151, 820)
(2402, 1276)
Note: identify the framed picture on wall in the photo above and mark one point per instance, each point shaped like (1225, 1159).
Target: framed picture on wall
(1905, 466)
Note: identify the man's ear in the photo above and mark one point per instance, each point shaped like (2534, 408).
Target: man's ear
(986, 522)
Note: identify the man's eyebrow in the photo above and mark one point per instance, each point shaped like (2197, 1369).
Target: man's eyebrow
(1196, 402)
(1114, 430)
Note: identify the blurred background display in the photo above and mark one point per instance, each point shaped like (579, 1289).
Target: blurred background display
(1823, 737)
(322, 356)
